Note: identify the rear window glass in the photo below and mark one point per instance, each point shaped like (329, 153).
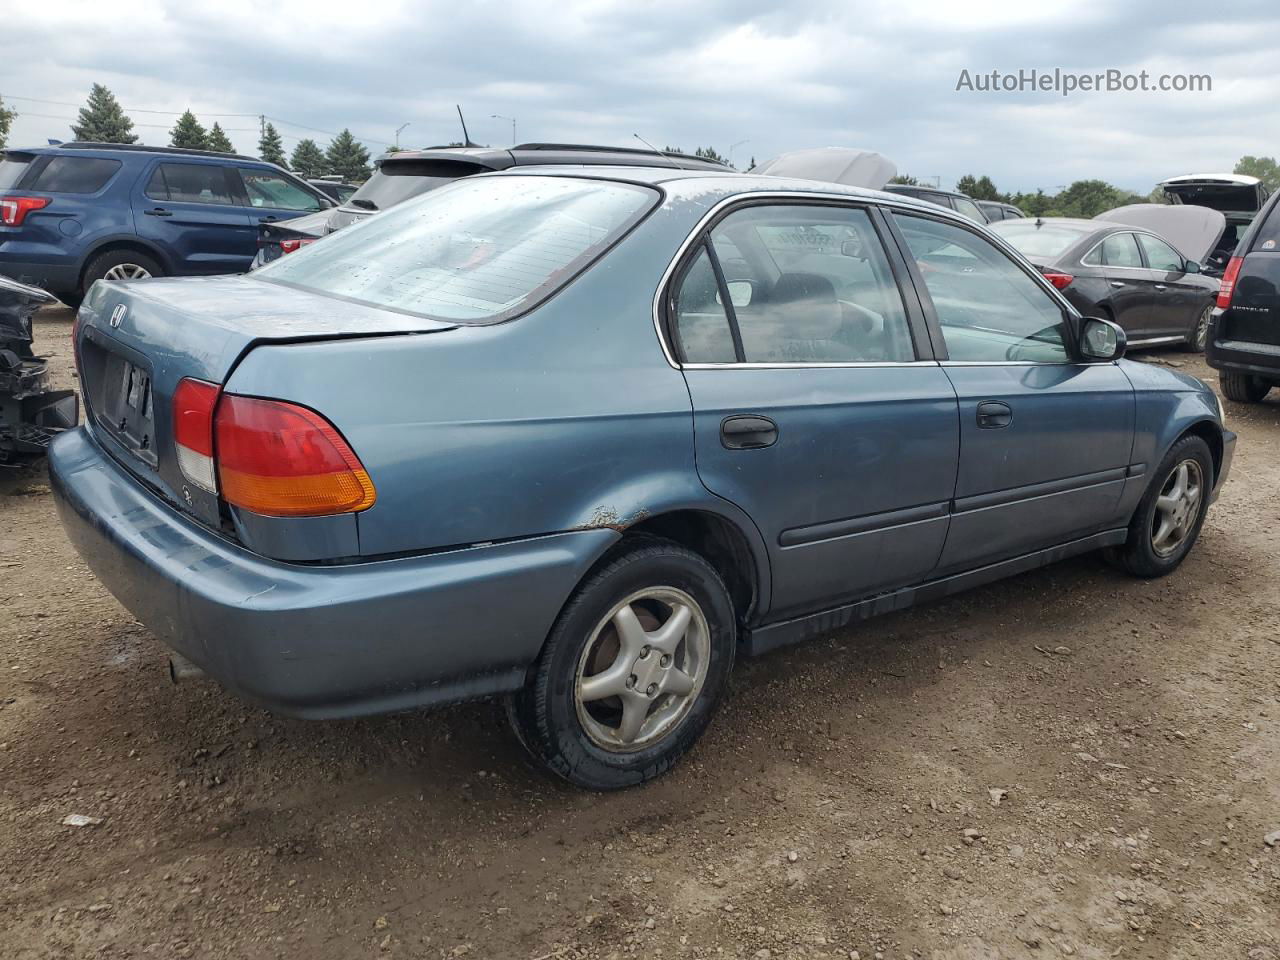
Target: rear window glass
(12, 167)
(397, 181)
(75, 175)
(1048, 240)
(478, 251)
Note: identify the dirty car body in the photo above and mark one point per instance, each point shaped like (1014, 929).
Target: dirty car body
(793, 401)
(31, 414)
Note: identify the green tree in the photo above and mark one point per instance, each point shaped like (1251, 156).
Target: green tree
(218, 141)
(6, 121)
(308, 159)
(980, 188)
(906, 180)
(709, 153)
(271, 147)
(1088, 198)
(189, 133)
(102, 120)
(348, 157)
(1264, 168)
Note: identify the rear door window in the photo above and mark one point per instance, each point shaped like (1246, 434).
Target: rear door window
(1160, 256)
(968, 208)
(190, 183)
(268, 189)
(75, 175)
(702, 324)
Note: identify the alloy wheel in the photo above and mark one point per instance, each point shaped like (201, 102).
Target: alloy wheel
(1177, 508)
(127, 271)
(1200, 338)
(642, 669)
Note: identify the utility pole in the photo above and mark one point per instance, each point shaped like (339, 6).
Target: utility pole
(734, 146)
(262, 126)
(398, 129)
(498, 116)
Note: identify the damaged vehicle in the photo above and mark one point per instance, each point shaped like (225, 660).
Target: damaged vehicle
(581, 436)
(1238, 197)
(1127, 273)
(31, 414)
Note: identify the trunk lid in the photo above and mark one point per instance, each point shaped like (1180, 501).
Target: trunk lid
(136, 341)
(1224, 192)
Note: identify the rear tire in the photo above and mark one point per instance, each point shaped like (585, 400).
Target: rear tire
(626, 683)
(1168, 519)
(1243, 387)
(1198, 338)
(119, 265)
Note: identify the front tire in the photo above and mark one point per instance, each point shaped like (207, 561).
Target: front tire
(633, 669)
(1243, 387)
(1169, 517)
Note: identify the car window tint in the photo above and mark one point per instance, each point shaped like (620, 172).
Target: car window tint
(989, 308)
(75, 175)
(267, 189)
(12, 167)
(1038, 238)
(702, 325)
(189, 183)
(1267, 237)
(1160, 256)
(821, 287)
(477, 251)
(1119, 250)
(969, 209)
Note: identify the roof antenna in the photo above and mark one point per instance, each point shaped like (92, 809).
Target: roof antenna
(656, 150)
(466, 137)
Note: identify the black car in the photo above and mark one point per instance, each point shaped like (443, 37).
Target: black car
(965, 206)
(1237, 196)
(1120, 272)
(410, 173)
(1244, 333)
(334, 188)
(995, 210)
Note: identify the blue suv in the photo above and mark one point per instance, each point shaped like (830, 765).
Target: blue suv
(74, 213)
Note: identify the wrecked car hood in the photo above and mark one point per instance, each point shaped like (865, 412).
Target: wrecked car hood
(1194, 231)
(17, 304)
(846, 165)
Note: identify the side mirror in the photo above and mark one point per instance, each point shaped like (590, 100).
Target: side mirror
(741, 292)
(1102, 340)
(1193, 266)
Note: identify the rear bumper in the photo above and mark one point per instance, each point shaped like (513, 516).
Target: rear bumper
(56, 277)
(1242, 356)
(318, 641)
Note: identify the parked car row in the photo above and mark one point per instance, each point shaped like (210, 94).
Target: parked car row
(581, 436)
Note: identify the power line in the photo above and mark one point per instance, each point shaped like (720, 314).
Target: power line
(330, 133)
(63, 103)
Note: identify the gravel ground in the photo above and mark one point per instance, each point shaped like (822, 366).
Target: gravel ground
(1068, 763)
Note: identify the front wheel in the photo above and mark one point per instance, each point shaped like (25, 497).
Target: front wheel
(1168, 519)
(1243, 387)
(633, 670)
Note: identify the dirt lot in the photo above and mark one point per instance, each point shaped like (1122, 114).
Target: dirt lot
(1128, 729)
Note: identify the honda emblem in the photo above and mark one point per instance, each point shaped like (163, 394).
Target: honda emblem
(118, 315)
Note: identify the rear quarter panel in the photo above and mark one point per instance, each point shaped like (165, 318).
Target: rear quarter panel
(567, 418)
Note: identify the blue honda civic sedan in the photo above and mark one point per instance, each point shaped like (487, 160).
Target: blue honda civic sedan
(581, 436)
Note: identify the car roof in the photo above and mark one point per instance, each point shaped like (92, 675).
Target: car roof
(131, 148)
(905, 187)
(1075, 223)
(500, 158)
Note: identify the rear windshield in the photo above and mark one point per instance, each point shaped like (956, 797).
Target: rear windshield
(478, 251)
(1225, 197)
(397, 181)
(12, 167)
(1046, 240)
(75, 175)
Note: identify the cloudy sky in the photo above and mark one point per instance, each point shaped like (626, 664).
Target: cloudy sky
(881, 76)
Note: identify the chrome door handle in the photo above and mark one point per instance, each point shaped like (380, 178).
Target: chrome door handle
(1161, 286)
(1117, 283)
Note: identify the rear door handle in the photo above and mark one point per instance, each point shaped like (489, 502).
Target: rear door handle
(1161, 286)
(158, 212)
(747, 432)
(268, 219)
(1117, 283)
(992, 415)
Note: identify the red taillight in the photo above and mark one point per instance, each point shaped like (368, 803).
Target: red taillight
(1060, 280)
(1229, 277)
(13, 210)
(193, 406)
(282, 460)
(290, 246)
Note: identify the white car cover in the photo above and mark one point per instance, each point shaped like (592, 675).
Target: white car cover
(845, 165)
(1193, 231)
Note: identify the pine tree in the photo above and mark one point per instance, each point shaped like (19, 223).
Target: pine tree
(218, 141)
(348, 157)
(102, 120)
(308, 160)
(6, 120)
(271, 147)
(188, 132)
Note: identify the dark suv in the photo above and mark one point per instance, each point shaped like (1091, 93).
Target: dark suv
(1244, 334)
(410, 173)
(74, 213)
